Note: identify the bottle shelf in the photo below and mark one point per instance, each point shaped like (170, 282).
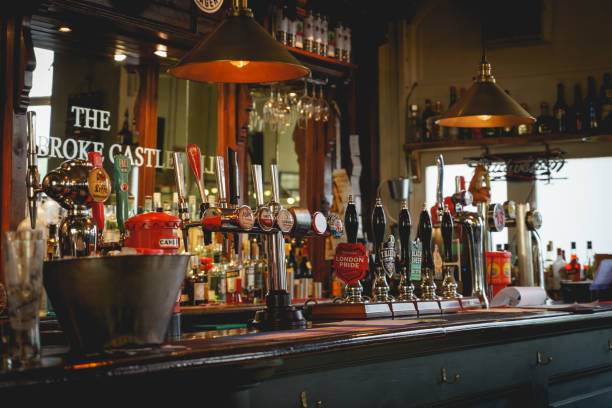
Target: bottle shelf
(322, 64)
(503, 141)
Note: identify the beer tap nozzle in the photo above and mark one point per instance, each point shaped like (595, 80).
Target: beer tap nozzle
(440, 186)
(195, 161)
(220, 175)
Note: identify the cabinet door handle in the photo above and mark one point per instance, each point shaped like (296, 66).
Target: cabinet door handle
(609, 345)
(541, 362)
(445, 378)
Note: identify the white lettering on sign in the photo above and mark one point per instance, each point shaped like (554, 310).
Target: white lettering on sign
(90, 118)
(139, 156)
(168, 242)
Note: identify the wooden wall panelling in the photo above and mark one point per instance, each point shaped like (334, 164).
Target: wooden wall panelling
(232, 124)
(145, 112)
(18, 62)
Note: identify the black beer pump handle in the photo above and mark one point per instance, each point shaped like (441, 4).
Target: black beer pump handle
(351, 222)
(405, 225)
(379, 224)
(234, 181)
(424, 233)
(447, 234)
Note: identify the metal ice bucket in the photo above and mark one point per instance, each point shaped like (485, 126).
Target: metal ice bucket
(114, 301)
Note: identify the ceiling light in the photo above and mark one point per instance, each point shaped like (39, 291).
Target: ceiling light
(290, 200)
(120, 57)
(64, 29)
(485, 104)
(161, 51)
(239, 50)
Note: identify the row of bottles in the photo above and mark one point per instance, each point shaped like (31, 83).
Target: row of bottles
(312, 32)
(237, 277)
(592, 114)
(558, 269)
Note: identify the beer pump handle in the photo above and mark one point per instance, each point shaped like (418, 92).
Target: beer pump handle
(97, 208)
(195, 161)
(220, 173)
(194, 156)
(258, 183)
(379, 224)
(32, 171)
(351, 221)
(122, 166)
(424, 234)
(440, 186)
(234, 176)
(447, 234)
(405, 224)
(179, 175)
(275, 184)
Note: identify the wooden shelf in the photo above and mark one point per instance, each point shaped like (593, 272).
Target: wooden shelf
(322, 65)
(503, 141)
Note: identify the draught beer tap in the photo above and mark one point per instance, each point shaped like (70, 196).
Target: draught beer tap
(195, 160)
(353, 291)
(264, 218)
(32, 181)
(238, 218)
(449, 286)
(428, 286)
(183, 209)
(380, 287)
(406, 287)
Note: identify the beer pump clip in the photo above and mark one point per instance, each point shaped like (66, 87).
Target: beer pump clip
(351, 258)
(76, 185)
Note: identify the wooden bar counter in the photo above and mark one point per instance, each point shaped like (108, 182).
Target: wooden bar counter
(493, 358)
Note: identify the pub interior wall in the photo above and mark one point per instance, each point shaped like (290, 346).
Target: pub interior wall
(441, 47)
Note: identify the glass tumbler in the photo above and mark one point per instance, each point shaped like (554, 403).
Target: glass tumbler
(23, 263)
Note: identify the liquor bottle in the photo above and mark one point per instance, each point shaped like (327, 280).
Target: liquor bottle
(306, 268)
(437, 131)
(413, 125)
(339, 34)
(289, 270)
(316, 28)
(299, 32)
(324, 36)
(292, 33)
(545, 122)
(464, 133)
(589, 262)
(282, 24)
(346, 40)
(331, 43)
(425, 122)
(573, 269)
(200, 287)
(232, 274)
(558, 274)
(575, 117)
(249, 267)
(605, 97)
(453, 132)
(560, 111)
(297, 273)
(591, 106)
(309, 32)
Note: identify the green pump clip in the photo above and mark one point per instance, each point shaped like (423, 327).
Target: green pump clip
(123, 165)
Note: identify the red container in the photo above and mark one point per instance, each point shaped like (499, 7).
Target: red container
(498, 270)
(152, 233)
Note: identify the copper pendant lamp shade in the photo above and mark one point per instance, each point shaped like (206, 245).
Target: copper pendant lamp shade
(239, 50)
(485, 104)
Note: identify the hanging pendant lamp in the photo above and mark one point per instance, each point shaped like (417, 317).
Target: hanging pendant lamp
(239, 50)
(485, 105)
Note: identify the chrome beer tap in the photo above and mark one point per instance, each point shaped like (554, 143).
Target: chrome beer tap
(75, 185)
(183, 208)
(527, 222)
(238, 218)
(380, 287)
(264, 219)
(195, 160)
(406, 287)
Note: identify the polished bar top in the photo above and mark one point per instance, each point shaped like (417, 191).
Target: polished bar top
(245, 347)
